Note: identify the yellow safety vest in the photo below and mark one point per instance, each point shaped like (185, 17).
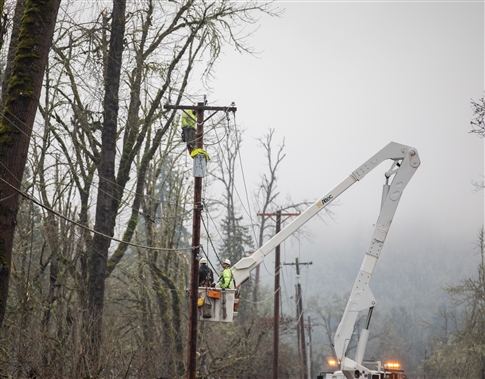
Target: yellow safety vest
(188, 119)
(226, 278)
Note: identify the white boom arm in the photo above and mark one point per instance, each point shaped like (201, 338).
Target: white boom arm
(409, 162)
(361, 296)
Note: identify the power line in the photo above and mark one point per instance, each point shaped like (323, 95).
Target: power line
(86, 227)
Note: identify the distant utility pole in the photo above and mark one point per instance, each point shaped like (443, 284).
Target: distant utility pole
(276, 312)
(194, 270)
(310, 355)
(300, 321)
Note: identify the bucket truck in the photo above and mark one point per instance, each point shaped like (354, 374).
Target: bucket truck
(405, 161)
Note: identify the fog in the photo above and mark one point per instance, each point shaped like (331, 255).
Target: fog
(338, 81)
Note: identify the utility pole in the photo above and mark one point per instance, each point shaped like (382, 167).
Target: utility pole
(194, 264)
(310, 356)
(300, 322)
(277, 295)
(276, 309)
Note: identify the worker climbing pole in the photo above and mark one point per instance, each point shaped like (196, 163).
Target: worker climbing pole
(189, 128)
(200, 161)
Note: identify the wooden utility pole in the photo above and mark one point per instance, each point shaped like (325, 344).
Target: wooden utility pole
(310, 356)
(194, 265)
(276, 310)
(300, 322)
(277, 295)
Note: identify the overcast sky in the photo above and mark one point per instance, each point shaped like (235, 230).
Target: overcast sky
(340, 80)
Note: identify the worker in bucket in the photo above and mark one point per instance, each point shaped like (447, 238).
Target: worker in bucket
(225, 281)
(189, 128)
(206, 276)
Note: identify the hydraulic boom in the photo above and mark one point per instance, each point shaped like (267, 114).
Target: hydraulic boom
(404, 156)
(405, 161)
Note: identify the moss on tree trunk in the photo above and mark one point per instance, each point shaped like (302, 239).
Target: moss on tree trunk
(21, 101)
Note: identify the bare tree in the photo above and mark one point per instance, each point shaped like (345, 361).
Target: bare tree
(478, 127)
(329, 315)
(478, 122)
(267, 193)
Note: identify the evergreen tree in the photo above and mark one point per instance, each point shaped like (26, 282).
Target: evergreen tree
(236, 238)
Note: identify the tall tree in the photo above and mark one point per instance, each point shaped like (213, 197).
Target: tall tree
(105, 219)
(267, 192)
(20, 107)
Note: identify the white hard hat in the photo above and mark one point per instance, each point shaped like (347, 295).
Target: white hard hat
(226, 261)
(203, 260)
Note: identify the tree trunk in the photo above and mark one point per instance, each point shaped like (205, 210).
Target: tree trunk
(21, 101)
(105, 215)
(14, 37)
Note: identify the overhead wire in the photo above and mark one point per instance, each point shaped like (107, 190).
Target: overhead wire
(34, 132)
(40, 268)
(219, 139)
(91, 246)
(226, 133)
(269, 298)
(206, 228)
(214, 223)
(209, 239)
(40, 204)
(248, 211)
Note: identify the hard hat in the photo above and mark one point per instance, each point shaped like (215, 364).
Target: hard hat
(226, 261)
(203, 261)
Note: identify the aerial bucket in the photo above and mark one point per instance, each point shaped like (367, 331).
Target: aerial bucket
(217, 304)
